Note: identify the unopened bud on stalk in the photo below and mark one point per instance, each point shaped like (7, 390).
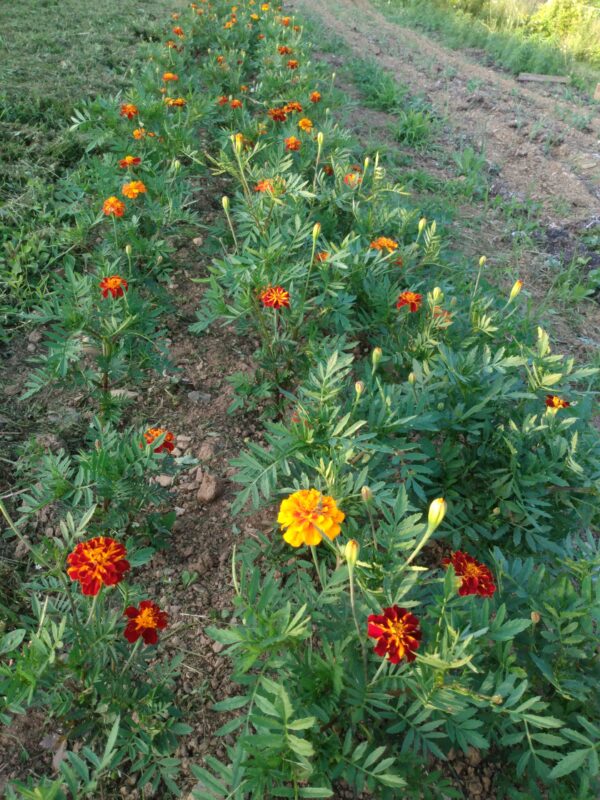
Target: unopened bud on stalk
(437, 295)
(535, 617)
(422, 223)
(238, 141)
(497, 699)
(412, 378)
(320, 139)
(482, 261)
(128, 250)
(366, 163)
(316, 230)
(359, 388)
(366, 494)
(517, 286)
(351, 551)
(376, 356)
(437, 512)
(176, 165)
(225, 203)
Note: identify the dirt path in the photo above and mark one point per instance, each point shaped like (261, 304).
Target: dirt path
(525, 131)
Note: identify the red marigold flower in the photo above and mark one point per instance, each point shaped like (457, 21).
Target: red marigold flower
(170, 76)
(294, 106)
(175, 102)
(168, 444)
(223, 100)
(397, 632)
(305, 124)
(285, 21)
(410, 299)
(235, 103)
(284, 50)
(133, 189)
(145, 621)
(277, 114)
(128, 110)
(113, 207)
(315, 97)
(99, 562)
(275, 297)
(476, 577)
(296, 28)
(114, 285)
(293, 64)
(292, 143)
(260, 36)
(130, 161)
(178, 31)
(553, 403)
(383, 243)
(265, 185)
(352, 179)
(328, 169)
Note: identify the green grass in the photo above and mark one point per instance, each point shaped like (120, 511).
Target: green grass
(55, 54)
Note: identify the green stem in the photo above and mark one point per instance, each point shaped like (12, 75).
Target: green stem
(356, 625)
(316, 563)
(134, 652)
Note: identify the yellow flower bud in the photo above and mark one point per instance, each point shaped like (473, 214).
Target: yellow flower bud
(376, 356)
(412, 378)
(238, 141)
(422, 223)
(437, 296)
(320, 139)
(482, 261)
(497, 699)
(176, 165)
(366, 163)
(437, 512)
(359, 387)
(535, 617)
(128, 250)
(316, 230)
(517, 286)
(225, 203)
(366, 494)
(351, 551)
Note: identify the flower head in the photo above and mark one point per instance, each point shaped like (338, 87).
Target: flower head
(397, 632)
(307, 515)
(178, 31)
(113, 207)
(305, 124)
(411, 299)
(223, 100)
(515, 291)
(553, 403)
(285, 21)
(99, 562)
(351, 179)
(322, 256)
(293, 64)
(130, 161)
(294, 106)
(383, 243)
(170, 76)
(275, 297)
(235, 103)
(144, 621)
(476, 578)
(114, 285)
(266, 185)
(292, 143)
(168, 443)
(133, 189)
(315, 97)
(139, 133)
(277, 114)
(284, 50)
(128, 110)
(175, 102)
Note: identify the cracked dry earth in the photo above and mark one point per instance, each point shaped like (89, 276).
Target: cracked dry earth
(501, 116)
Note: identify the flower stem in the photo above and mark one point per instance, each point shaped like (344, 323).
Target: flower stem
(136, 647)
(316, 563)
(357, 626)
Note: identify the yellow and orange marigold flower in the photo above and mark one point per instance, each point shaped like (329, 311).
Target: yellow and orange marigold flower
(275, 297)
(383, 243)
(397, 632)
(113, 207)
(128, 110)
(307, 515)
(133, 189)
(351, 179)
(175, 102)
(284, 50)
(168, 443)
(315, 97)
(292, 143)
(235, 103)
(475, 578)
(293, 64)
(266, 185)
(294, 106)
(99, 562)
(130, 161)
(277, 114)
(305, 124)
(223, 100)
(170, 76)
(553, 403)
(285, 21)
(144, 621)
(322, 256)
(220, 59)
(411, 299)
(178, 31)
(243, 88)
(139, 133)
(114, 285)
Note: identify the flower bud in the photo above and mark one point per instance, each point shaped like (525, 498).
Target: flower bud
(366, 163)
(422, 223)
(320, 139)
(412, 378)
(497, 699)
(496, 510)
(535, 617)
(316, 231)
(359, 388)
(517, 286)
(437, 296)
(225, 203)
(482, 261)
(351, 551)
(176, 165)
(376, 356)
(437, 512)
(238, 141)
(366, 494)
(128, 250)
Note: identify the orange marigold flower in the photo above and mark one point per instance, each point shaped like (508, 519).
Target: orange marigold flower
(130, 161)
(294, 106)
(236, 103)
(175, 102)
(171, 45)
(170, 76)
(307, 515)
(476, 577)
(265, 185)
(99, 562)
(260, 36)
(243, 88)
(305, 124)
(277, 114)
(264, 7)
(168, 443)
(352, 179)
(296, 28)
(114, 285)
(275, 297)
(133, 189)
(113, 207)
(383, 243)
(128, 110)
(315, 97)
(410, 299)
(220, 59)
(223, 100)
(323, 256)
(145, 621)
(397, 632)
(284, 50)
(285, 21)
(553, 403)
(293, 64)
(255, 17)
(178, 31)
(292, 143)
(139, 133)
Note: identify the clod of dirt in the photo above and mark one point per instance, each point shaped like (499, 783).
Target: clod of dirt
(209, 488)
